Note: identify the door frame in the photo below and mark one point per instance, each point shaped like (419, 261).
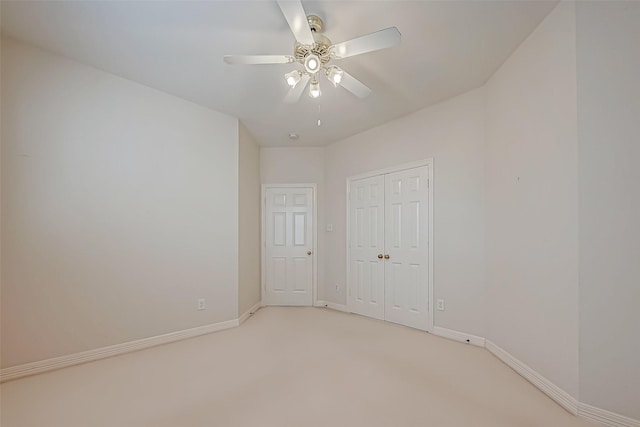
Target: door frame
(263, 246)
(420, 163)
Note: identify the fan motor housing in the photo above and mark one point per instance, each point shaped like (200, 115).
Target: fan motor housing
(322, 46)
(315, 23)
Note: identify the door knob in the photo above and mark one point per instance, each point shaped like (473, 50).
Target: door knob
(379, 256)
(308, 252)
(386, 256)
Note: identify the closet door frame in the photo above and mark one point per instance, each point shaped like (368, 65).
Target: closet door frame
(420, 163)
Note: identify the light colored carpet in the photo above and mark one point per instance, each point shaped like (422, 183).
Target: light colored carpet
(289, 367)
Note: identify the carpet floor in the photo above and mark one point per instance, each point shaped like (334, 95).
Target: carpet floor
(289, 367)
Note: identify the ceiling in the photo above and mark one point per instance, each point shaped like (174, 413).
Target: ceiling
(447, 48)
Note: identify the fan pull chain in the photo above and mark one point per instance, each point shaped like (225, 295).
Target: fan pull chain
(319, 122)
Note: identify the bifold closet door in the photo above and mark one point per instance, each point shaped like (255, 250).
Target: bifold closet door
(389, 247)
(407, 246)
(367, 247)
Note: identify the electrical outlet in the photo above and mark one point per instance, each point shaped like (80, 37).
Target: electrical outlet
(337, 288)
(440, 304)
(202, 304)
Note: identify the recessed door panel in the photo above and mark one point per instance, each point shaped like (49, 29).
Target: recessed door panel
(359, 240)
(279, 200)
(279, 229)
(300, 229)
(299, 279)
(413, 225)
(300, 199)
(278, 274)
(359, 280)
(396, 290)
(374, 225)
(394, 233)
(376, 275)
(413, 288)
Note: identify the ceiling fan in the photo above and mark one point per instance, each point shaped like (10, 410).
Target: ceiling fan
(316, 52)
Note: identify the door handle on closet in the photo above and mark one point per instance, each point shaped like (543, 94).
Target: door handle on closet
(379, 256)
(386, 256)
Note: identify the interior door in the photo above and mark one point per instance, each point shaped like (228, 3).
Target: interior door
(366, 293)
(288, 246)
(406, 243)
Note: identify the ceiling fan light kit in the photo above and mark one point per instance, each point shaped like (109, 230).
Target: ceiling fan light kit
(293, 78)
(314, 89)
(314, 51)
(334, 74)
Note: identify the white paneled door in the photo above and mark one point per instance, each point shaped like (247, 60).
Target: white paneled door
(288, 222)
(389, 247)
(406, 247)
(367, 247)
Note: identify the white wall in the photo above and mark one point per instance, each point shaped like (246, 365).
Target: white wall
(532, 205)
(119, 209)
(452, 133)
(300, 165)
(608, 60)
(122, 205)
(248, 222)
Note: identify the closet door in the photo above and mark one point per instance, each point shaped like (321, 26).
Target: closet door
(366, 272)
(406, 243)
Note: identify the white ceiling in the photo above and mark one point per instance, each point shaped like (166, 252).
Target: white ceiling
(447, 48)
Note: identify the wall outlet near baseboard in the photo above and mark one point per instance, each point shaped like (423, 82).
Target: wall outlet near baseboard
(440, 304)
(202, 304)
(337, 288)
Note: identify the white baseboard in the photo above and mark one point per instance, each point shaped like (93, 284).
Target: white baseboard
(249, 312)
(564, 399)
(459, 336)
(41, 366)
(604, 417)
(560, 396)
(332, 305)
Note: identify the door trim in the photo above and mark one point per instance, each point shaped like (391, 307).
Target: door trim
(425, 162)
(263, 239)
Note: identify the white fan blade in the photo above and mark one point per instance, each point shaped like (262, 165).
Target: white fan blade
(297, 19)
(257, 59)
(375, 41)
(294, 94)
(354, 85)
